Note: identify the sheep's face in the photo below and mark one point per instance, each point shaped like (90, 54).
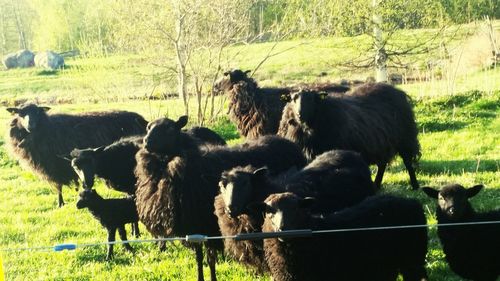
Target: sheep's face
(453, 200)
(83, 162)
(163, 136)
(230, 78)
(285, 211)
(87, 198)
(304, 105)
(236, 189)
(29, 115)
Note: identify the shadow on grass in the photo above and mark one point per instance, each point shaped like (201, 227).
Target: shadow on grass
(98, 254)
(440, 126)
(47, 72)
(435, 167)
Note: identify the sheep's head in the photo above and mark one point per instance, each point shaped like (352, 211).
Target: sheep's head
(163, 136)
(30, 115)
(453, 199)
(230, 78)
(83, 162)
(286, 211)
(304, 104)
(237, 187)
(88, 197)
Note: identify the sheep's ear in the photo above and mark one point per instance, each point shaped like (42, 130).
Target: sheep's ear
(13, 110)
(307, 202)
(247, 71)
(259, 175)
(226, 73)
(431, 192)
(45, 108)
(183, 120)
(99, 149)
(473, 191)
(286, 97)
(258, 207)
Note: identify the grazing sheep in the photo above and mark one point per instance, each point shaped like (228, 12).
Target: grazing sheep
(354, 255)
(177, 180)
(472, 251)
(257, 111)
(339, 178)
(45, 138)
(375, 119)
(113, 214)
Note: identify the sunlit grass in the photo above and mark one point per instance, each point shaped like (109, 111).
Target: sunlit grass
(459, 133)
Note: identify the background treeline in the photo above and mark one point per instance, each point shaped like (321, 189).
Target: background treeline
(97, 27)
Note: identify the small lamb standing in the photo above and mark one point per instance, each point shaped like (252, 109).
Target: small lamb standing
(113, 214)
(472, 251)
(255, 110)
(345, 256)
(375, 120)
(41, 140)
(340, 178)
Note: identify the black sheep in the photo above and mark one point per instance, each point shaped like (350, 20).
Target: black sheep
(472, 251)
(177, 180)
(46, 138)
(353, 255)
(339, 178)
(113, 214)
(255, 110)
(116, 162)
(375, 119)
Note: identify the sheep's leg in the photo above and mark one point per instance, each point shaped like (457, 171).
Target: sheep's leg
(212, 260)
(123, 236)
(111, 238)
(199, 261)
(162, 246)
(59, 195)
(135, 229)
(380, 174)
(411, 171)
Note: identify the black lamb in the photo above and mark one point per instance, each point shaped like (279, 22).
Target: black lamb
(113, 214)
(472, 251)
(353, 255)
(340, 178)
(255, 110)
(375, 119)
(41, 140)
(177, 180)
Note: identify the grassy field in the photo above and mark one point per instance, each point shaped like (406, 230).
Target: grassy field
(459, 134)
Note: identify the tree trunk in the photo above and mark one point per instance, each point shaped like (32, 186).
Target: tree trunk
(19, 25)
(3, 38)
(380, 54)
(182, 60)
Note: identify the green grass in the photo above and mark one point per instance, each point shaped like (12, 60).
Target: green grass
(459, 133)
